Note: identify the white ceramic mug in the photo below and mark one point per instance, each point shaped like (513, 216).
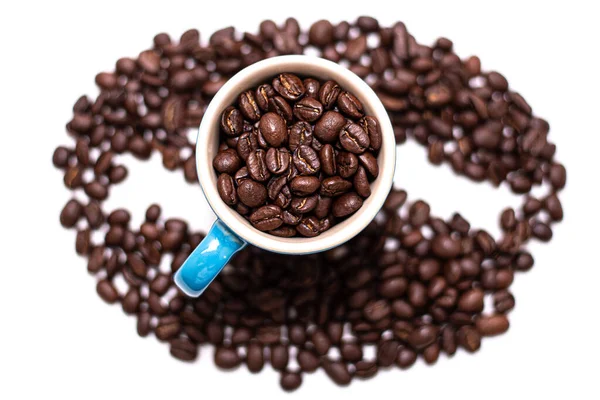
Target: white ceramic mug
(231, 232)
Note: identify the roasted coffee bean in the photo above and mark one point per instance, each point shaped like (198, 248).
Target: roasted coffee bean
(346, 204)
(281, 107)
(312, 87)
(289, 86)
(492, 325)
(275, 185)
(300, 134)
(232, 121)
(227, 358)
(353, 138)
(329, 94)
(246, 144)
(266, 218)
(290, 218)
(240, 175)
(373, 129)
(308, 109)
(329, 126)
(337, 371)
(257, 165)
(369, 161)
(227, 161)
(248, 106)
(335, 186)
(361, 182)
(278, 160)
(290, 381)
(306, 160)
(303, 205)
(347, 164)
(309, 227)
(445, 246)
(321, 33)
(251, 193)
(226, 189)
(468, 338)
(349, 105)
(327, 158)
(183, 349)
(304, 185)
(273, 129)
(471, 301)
(263, 94)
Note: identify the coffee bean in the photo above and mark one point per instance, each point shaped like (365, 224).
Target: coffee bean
(227, 161)
(254, 357)
(300, 134)
(226, 189)
(251, 193)
(273, 129)
(257, 165)
(373, 129)
(232, 121)
(289, 86)
(263, 94)
(304, 185)
(308, 109)
(306, 160)
(308, 361)
(248, 106)
(327, 158)
(290, 381)
(303, 205)
(349, 105)
(335, 186)
(337, 371)
(492, 325)
(278, 160)
(422, 336)
(183, 349)
(246, 144)
(312, 87)
(445, 246)
(471, 301)
(347, 164)
(71, 213)
(329, 126)
(107, 291)
(468, 338)
(266, 218)
(369, 161)
(281, 107)
(329, 93)
(321, 33)
(353, 138)
(226, 358)
(361, 182)
(346, 204)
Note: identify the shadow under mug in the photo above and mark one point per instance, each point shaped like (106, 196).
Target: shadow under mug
(231, 232)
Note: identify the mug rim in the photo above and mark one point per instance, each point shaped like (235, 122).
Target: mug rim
(310, 66)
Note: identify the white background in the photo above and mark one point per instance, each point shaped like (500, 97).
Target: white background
(59, 340)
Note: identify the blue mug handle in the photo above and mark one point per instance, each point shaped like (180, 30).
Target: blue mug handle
(208, 259)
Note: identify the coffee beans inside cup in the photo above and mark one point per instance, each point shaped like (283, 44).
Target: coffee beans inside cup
(296, 155)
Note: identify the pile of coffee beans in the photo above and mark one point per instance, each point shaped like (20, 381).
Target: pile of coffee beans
(410, 286)
(297, 156)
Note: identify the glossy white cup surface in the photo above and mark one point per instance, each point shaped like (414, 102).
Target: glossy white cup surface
(208, 143)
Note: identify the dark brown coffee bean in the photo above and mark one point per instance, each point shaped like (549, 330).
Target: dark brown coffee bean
(251, 193)
(308, 109)
(273, 129)
(422, 336)
(406, 357)
(327, 158)
(328, 127)
(107, 291)
(262, 96)
(266, 218)
(248, 106)
(232, 121)
(321, 33)
(471, 301)
(346, 204)
(290, 218)
(306, 160)
(312, 87)
(308, 361)
(284, 231)
(361, 182)
(227, 161)
(226, 358)
(246, 144)
(278, 160)
(353, 138)
(337, 371)
(491, 325)
(226, 189)
(281, 107)
(257, 165)
(445, 246)
(373, 129)
(303, 205)
(334, 186)
(275, 185)
(71, 213)
(368, 160)
(290, 381)
(329, 93)
(240, 175)
(183, 349)
(304, 185)
(347, 164)
(503, 301)
(284, 198)
(558, 176)
(254, 357)
(468, 338)
(349, 105)
(300, 134)
(289, 86)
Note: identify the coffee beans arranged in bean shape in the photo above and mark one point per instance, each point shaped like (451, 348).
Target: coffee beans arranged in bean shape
(283, 140)
(411, 285)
